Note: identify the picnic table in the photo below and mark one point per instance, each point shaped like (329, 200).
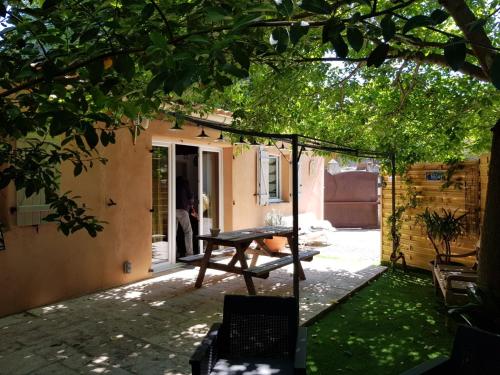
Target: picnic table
(237, 247)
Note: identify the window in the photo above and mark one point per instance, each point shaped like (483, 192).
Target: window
(274, 178)
(31, 210)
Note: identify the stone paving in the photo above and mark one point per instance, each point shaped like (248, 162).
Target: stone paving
(153, 326)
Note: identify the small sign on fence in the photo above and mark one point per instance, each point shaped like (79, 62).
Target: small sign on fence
(435, 175)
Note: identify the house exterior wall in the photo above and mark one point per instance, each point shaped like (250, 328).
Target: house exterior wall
(244, 183)
(42, 266)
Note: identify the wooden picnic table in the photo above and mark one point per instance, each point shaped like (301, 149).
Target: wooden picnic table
(240, 241)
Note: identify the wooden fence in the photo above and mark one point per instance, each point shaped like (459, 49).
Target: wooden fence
(426, 184)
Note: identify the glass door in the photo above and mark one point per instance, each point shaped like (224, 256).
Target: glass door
(210, 191)
(160, 210)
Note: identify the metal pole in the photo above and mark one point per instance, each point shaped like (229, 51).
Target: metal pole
(295, 210)
(393, 201)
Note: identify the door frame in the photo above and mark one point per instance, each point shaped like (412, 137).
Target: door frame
(217, 150)
(171, 232)
(171, 208)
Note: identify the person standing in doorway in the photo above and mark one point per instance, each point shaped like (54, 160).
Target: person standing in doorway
(184, 203)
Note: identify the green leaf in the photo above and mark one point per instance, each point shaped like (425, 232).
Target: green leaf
(49, 4)
(241, 56)
(91, 136)
(235, 71)
(215, 14)
(147, 11)
(455, 52)
(388, 27)
(297, 31)
(61, 122)
(124, 65)
(104, 138)
(331, 30)
(340, 47)
(244, 21)
(95, 69)
(158, 39)
(378, 55)
(355, 38)
(198, 39)
(285, 7)
(78, 169)
(439, 16)
(495, 71)
(4, 179)
(316, 6)
(154, 84)
(280, 35)
(79, 143)
(417, 21)
(89, 35)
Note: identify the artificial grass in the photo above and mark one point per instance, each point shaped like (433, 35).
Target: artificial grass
(390, 326)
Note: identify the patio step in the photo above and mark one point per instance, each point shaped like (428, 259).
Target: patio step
(217, 254)
(264, 269)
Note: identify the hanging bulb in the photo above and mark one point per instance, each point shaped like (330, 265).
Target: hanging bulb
(176, 127)
(202, 135)
(220, 139)
(270, 144)
(254, 142)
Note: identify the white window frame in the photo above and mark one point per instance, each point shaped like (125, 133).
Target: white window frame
(278, 179)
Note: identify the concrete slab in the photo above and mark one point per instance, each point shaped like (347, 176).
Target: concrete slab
(153, 326)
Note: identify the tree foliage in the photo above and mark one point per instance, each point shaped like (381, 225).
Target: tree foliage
(80, 71)
(413, 110)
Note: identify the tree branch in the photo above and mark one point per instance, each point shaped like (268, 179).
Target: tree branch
(432, 59)
(165, 20)
(69, 69)
(480, 43)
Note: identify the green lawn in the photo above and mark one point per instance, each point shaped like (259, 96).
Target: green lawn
(391, 325)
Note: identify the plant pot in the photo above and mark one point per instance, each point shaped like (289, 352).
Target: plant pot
(275, 244)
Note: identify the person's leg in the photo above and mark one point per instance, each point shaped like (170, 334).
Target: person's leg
(183, 219)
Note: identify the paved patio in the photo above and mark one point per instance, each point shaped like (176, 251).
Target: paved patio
(153, 326)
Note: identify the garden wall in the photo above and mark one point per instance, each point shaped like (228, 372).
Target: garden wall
(425, 184)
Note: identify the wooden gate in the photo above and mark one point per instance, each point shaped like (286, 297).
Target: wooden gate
(351, 199)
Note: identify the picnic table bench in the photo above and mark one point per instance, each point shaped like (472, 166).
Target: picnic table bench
(237, 245)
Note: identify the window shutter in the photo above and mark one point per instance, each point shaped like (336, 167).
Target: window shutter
(31, 211)
(262, 177)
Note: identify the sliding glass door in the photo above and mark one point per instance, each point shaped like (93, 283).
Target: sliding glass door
(210, 191)
(161, 203)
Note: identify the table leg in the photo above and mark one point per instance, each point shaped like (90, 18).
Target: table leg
(204, 264)
(240, 250)
(302, 275)
(253, 263)
(263, 247)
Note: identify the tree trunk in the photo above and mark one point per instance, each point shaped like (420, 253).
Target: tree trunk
(489, 256)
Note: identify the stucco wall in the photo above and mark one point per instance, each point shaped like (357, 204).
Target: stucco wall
(248, 213)
(41, 265)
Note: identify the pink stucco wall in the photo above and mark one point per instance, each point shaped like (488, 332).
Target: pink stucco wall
(41, 265)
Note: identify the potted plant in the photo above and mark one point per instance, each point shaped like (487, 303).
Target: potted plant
(442, 230)
(274, 219)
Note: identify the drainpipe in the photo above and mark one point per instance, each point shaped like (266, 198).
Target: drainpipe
(295, 210)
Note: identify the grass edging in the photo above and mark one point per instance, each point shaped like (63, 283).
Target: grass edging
(322, 313)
